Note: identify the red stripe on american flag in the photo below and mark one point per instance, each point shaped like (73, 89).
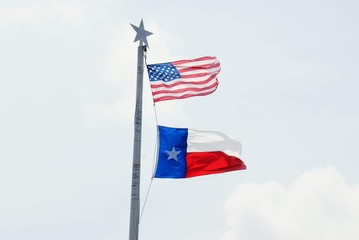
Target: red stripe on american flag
(198, 68)
(182, 96)
(197, 75)
(193, 60)
(188, 89)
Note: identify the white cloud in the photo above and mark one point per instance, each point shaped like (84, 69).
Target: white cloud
(121, 110)
(319, 205)
(69, 12)
(37, 13)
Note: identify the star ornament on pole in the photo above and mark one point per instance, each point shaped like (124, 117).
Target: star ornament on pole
(142, 34)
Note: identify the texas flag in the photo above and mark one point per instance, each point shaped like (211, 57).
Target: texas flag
(185, 153)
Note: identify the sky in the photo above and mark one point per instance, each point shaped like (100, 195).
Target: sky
(288, 90)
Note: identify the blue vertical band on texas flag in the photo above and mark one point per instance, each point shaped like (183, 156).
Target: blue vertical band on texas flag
(185, 153)
(172, 152)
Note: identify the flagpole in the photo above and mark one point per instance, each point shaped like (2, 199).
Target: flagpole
(136, 165)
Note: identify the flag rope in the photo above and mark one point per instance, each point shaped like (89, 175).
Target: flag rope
(154, 162)
(153, 172)
(145, 202)
(143, 208)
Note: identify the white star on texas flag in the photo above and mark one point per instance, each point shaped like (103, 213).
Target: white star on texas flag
(173, 154)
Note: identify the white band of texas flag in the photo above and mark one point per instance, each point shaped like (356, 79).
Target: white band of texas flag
(184, 78)
(184, 153)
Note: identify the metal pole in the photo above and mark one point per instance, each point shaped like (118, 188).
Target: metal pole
(136, 167)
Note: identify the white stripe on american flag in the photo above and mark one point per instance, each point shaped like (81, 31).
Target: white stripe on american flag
(198, 78)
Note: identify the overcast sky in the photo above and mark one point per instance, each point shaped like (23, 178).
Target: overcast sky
(288, 89)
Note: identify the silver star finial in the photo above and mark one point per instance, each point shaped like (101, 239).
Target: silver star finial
(142, 34)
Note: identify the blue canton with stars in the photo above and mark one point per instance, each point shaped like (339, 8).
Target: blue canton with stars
(162, 72)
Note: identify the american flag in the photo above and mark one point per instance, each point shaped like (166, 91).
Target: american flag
(183, 78)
